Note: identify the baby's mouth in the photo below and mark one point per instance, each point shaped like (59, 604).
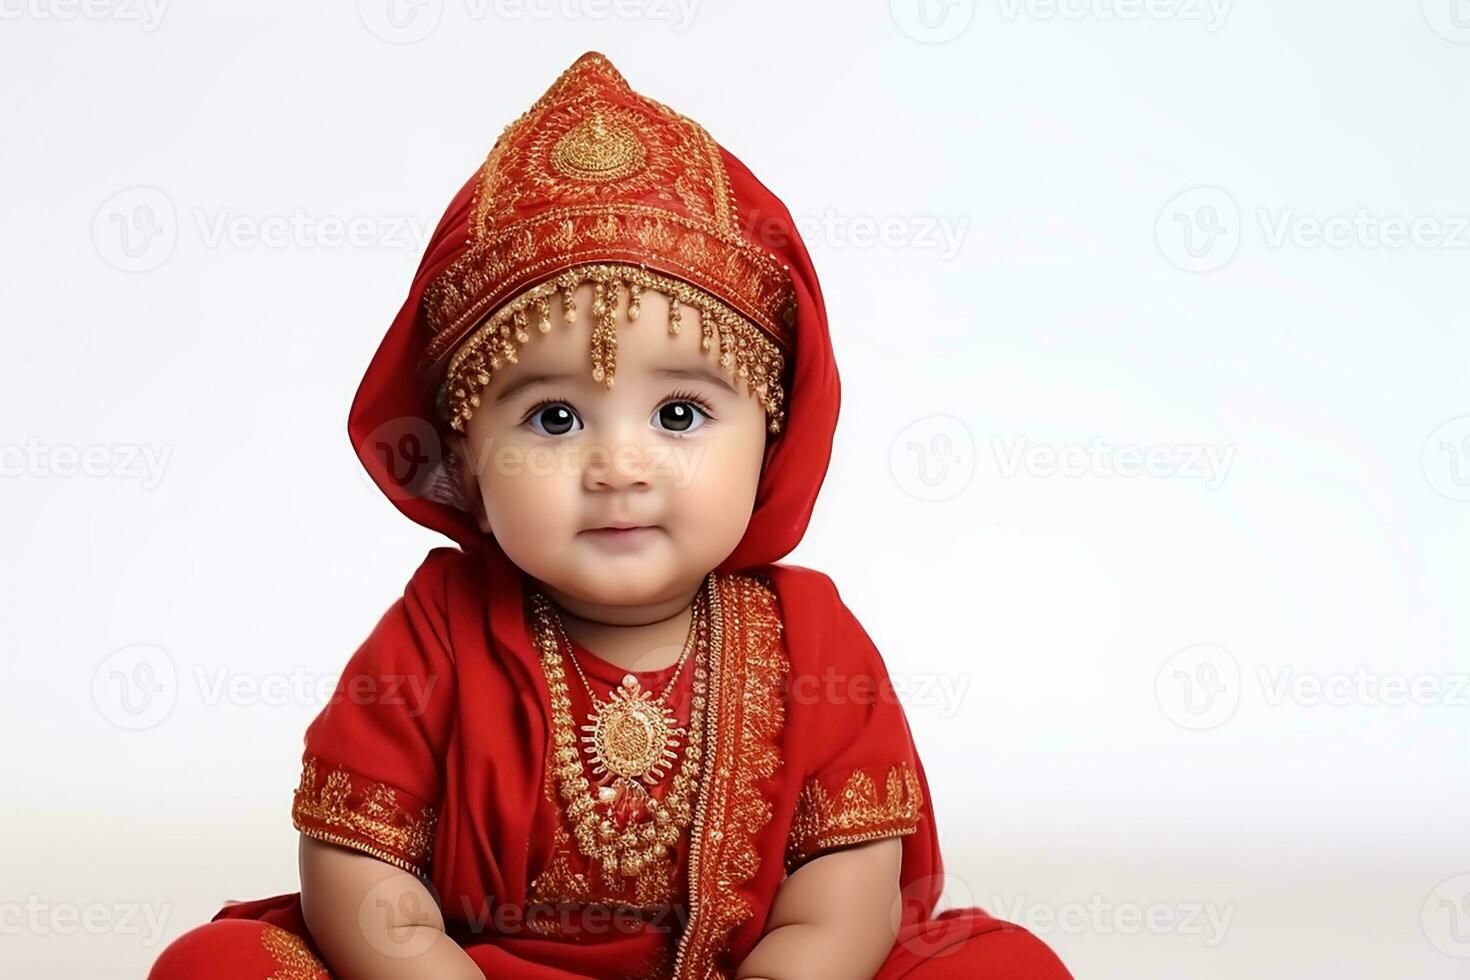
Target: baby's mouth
(621, 535)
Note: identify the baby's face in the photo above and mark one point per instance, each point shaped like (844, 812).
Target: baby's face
(673, 448)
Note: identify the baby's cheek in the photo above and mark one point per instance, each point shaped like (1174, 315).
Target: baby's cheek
(530, 501)
(716, 500)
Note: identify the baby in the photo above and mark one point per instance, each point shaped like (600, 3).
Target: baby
(635, 744)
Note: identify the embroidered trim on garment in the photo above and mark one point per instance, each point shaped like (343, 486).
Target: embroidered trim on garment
(595, 171)
(559, 887)
(747, 712)
(745, 352)
(373, 817)
(292, 955)
(856, 815)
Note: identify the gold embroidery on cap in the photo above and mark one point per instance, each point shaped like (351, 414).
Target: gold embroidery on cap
(595, 172)
(598, 148)
(745, 351)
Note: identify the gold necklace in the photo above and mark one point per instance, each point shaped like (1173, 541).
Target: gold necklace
(631, 736)
(643, 845)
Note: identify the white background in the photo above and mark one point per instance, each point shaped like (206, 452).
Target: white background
(1116, 763)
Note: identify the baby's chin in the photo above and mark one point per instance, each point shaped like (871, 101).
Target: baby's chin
(626, 578)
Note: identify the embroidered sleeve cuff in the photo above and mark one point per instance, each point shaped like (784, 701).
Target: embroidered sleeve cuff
(339, 806)
(859, 812)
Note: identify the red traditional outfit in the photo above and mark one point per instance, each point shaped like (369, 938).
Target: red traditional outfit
(459, 777)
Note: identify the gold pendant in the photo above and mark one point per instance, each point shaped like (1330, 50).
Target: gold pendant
(631, 735)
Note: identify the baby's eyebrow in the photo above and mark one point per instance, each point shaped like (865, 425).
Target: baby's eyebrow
(696, 374)
(529, 380)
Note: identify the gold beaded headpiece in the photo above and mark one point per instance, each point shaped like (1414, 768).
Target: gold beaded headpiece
(596, 183)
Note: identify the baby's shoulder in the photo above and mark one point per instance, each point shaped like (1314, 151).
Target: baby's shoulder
(792, 583)
(820, 630)
(445, 570)
(799, 595)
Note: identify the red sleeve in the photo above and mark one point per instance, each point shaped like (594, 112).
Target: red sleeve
(372, 771)
(860, 780)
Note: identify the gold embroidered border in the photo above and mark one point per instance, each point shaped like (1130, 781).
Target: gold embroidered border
(293, 957)
(345, 809)
(747, 712)
(745, 352)
(661, 195)
(562, 238)
(856, 814)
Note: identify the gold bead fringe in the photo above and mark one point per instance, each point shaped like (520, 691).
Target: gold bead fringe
(745, 350)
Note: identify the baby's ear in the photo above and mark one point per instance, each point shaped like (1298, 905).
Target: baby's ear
(772, 441)
(469, 481)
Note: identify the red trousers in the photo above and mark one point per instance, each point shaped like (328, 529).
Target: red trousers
(964, 944)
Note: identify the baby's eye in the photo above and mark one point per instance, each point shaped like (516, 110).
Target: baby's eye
(679, 416)
(553, 419)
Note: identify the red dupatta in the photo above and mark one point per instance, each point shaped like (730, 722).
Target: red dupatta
(807, 749)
